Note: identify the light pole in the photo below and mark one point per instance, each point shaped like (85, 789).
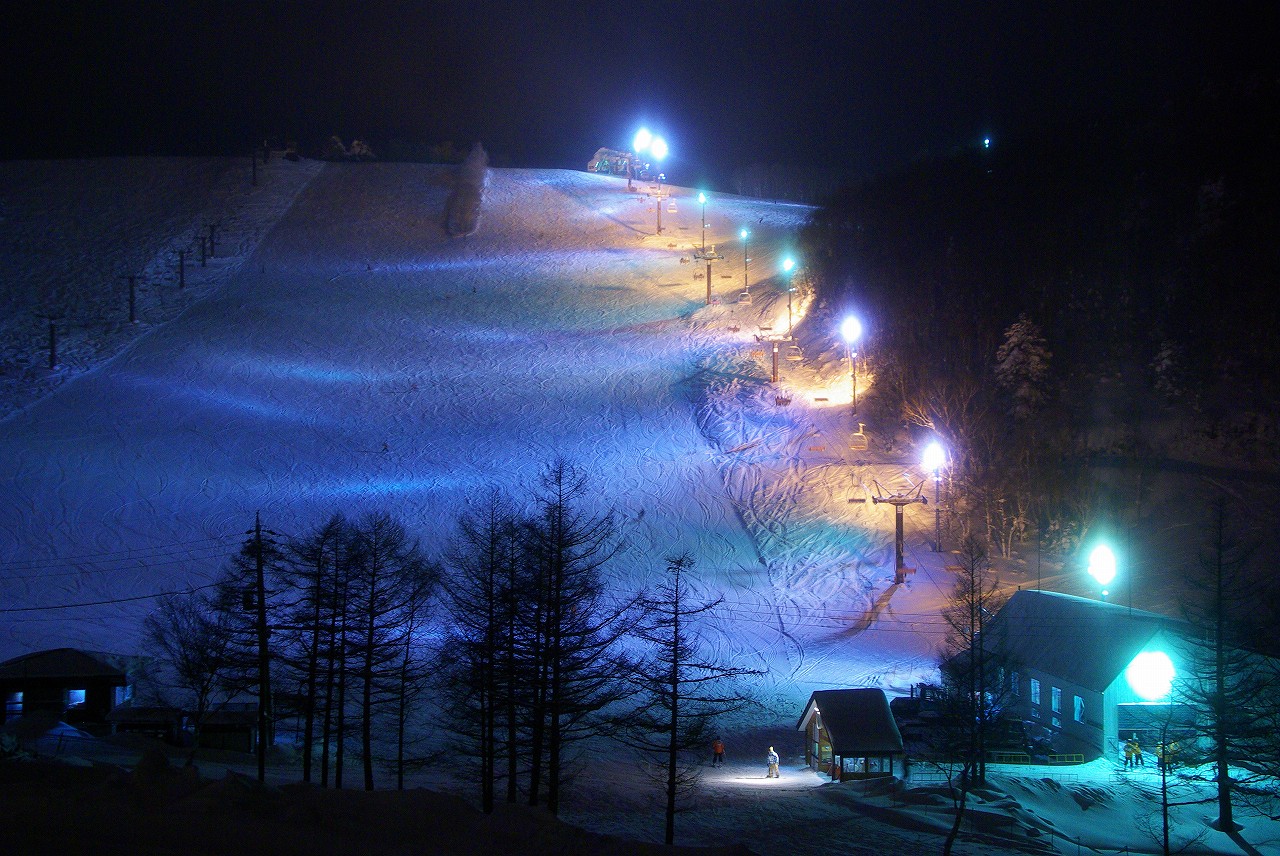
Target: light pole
(851, 331)
(1102, 566)
(657, 149)
(787, 266)
(934, 459)
(641, 143)
(702, 197)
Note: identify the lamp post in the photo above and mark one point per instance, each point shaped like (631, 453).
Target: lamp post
(657, 149)
(744, 234)
(934, 459)
(1102, 566)
(787, 266)
(702, 198)
(851, 331)
(640, 144)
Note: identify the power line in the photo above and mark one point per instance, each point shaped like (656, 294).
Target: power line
(105, 602)
(119, 555)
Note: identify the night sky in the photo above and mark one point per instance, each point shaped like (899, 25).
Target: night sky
(868, 86)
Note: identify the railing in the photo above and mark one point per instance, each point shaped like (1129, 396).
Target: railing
(1067, 758)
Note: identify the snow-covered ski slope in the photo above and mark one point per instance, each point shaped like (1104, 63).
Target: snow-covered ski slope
(349, 356)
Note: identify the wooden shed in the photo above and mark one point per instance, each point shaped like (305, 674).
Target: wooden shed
(75, 686)
(850, 734)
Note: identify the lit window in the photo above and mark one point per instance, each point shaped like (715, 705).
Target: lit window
(1057, 700)
(13, 704)
(1035, 691)
(1013, 683)
(75, 697)
(1079, 709)
(1056, 722)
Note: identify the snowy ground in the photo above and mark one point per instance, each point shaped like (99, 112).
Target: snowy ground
(342, 353)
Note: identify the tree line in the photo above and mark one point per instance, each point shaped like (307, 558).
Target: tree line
(504, 648)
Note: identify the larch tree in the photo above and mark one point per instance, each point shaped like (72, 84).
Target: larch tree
(682, 690)
(575, 665)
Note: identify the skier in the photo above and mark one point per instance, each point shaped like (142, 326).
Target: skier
(773, 765)
(717, 752)
(1128, 754)
(1137, 753)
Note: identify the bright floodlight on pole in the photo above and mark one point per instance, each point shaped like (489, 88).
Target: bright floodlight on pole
(851, 332)
(1102, 566)
(934, 459)
(640, 144)
(788, 264)
(744, 234)
(658, 150)
(702, 198)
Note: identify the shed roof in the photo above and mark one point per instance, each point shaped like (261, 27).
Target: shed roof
(858, 721)
(1087, 642)
(60, 663)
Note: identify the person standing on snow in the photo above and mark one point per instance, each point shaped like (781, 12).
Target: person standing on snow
(1128, 754)
(1137, 753)
(773, 764)
(717, 752)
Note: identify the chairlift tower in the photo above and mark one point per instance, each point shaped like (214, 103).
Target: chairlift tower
(708, 256)
(899, 501)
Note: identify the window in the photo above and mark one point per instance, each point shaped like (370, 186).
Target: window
(1079, 709)
(1014, 685)
(13, 704)
(1035, 691)
(1056, 722)
(75, 697)
(1057, 700)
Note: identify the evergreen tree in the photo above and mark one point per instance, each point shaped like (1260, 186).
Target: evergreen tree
(1022, 368)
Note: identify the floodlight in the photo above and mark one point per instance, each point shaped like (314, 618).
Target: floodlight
(1150, 675)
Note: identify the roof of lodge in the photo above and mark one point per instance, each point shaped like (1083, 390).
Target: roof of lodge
(1087, 642)
(857, 721)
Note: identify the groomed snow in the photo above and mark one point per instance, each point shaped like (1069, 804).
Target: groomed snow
(342, 353)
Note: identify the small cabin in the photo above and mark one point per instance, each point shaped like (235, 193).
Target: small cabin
(78, 687)
(850, 734)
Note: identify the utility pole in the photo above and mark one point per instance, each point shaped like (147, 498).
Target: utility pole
(182, 269)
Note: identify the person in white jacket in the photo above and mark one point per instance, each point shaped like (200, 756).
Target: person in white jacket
(773, 764)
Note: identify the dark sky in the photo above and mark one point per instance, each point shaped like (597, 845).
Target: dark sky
(869, 85)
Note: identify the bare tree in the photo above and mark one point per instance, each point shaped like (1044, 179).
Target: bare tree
(682, 691)
(574, 663)
(480, 588)
(192, 639)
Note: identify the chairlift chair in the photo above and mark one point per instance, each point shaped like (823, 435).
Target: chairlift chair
(745, 297)
(794, 354)
(671, 208)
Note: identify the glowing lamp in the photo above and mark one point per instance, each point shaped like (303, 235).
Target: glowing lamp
(642, 140)
(934, 457)
(658, 148)
(1150, 675)
(743, 234)
(788, 265)
(851, 330)
(1102, 564)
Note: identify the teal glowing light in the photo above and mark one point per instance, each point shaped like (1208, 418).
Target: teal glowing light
(1151, 675)
(1102, 564)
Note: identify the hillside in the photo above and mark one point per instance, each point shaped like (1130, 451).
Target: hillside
(342, 353)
